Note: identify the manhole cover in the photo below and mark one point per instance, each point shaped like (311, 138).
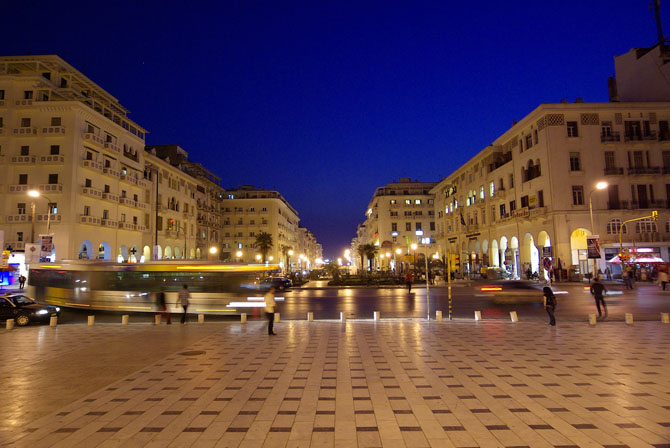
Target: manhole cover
(192, 353)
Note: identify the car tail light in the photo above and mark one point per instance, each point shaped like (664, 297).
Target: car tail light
(492, 288)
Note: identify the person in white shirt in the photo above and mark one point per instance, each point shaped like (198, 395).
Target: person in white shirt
(270, 309)
(184, 299)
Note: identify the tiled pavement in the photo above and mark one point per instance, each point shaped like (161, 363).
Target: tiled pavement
(390, 383)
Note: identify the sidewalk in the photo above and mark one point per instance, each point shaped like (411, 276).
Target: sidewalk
(390, 383)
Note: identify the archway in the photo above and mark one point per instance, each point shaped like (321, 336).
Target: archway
(168, 252)
(495, 254)
(159, 253)
(505, 256)
(514, 246)
(104, 251)
(198, 254)
(578, 249)
(177, 252)
(530, 256)
(146, 254)
(543, 241)
(85, 250)
(123, 254)
(133, 253)
(192, 253)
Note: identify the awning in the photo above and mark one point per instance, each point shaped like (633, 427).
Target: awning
(639, 259)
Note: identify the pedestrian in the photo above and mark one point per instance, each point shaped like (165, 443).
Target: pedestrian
(270, 309)
(161, 304)
(409, 278)
(663, 278)
(628, 278)
(608, 274)
(550, 304)
(184, 299)
(598, 290)
(22, 281)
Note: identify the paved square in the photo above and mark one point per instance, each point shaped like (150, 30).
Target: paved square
(361, 384)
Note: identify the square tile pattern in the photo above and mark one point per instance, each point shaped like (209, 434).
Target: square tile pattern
(391, 383)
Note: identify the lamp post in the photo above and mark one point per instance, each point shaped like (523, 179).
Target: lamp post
(212, 252)
(37, 194)
(238, 255)
(424, 241)
(290, 254)
(599, 186)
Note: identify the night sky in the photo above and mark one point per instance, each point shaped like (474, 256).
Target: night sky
(325, 101)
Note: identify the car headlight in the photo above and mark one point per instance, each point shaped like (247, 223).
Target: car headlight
(42, 312)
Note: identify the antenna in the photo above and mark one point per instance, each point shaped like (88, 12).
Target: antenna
(659, 25)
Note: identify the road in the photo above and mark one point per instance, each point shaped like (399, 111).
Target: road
(645, 302)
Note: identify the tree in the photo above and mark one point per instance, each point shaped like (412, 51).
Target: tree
(284, 251)
(264, 243)
(361, 253)
(369, 251)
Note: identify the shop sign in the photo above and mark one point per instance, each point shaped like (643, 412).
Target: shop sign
(532, 201)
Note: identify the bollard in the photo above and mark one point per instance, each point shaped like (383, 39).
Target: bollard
(438, 316)
(53, 321)
(478, 315)
(157, 319)
(310, 316)
(276, 318)
(243, 318)
(91, 320)
(629, 318)
(376, 315)
(513, 316)
(201, 318)
(10, 324)
(343, 317)
(665, 318)
(592, 319)
(124, 319)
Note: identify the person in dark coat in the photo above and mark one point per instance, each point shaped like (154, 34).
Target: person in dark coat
(550, 304)
(598, 290)
(409, 278)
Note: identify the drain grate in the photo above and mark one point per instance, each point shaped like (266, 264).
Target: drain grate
(192, 353)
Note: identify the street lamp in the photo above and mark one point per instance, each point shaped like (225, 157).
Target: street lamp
(238, 255)
(419, 233)
(599, 186)
(37, 194)
(258, 257)
(290, 254)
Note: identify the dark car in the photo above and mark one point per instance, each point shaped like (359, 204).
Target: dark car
(277, 282)
(24, 310)
(514, 291)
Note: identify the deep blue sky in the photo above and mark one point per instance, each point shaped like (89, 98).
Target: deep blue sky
(325, 101)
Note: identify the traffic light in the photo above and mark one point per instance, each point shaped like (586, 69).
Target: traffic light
(654, 215)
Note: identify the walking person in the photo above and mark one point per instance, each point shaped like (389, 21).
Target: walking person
(628, 278)
(22, 281)
(409, 278)
(663, 278)
(270, 309)
(184, 299)
(161, 304)
(598, 290)
(550, 304)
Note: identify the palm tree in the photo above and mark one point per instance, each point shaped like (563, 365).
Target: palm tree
(361, 253)
(369, 251)
(285, 250)
(264, 243)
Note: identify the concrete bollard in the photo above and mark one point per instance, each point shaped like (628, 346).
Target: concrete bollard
(10, 324)
(438, 316)
(629, 318)
(592, 319)
(201, 318)
(91, 320)
(53, 321)
(343, 316)
(276, 318)
(124, 319)
(157, 319)
(665, 318)
(376, 315)
(478, 315)
(243, 318)
(513, 316)
(310, 316)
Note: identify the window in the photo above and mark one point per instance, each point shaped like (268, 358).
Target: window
(492, 189)
(27, 94)
(417, 201)
(511, 181)
(87, 210)
(503, 212)
(394, 227)
(53, 179)
(483, 216)
(610, 160)
(19, 236)
(393, 213)
(524, 201)
(577, 195)
(21, 208)
(107, 190)
(408, 213)
(666, 159)
(613, 227)
(1, 122)
(25, 122)
(606, 129)
(529, 141)
(25, 150)
(540, 198)
(512, 205)
(23, 179)
(572, 129)
(432, 225)
(646, 226)
(123, 219)
(482, 193)
(418, 213)
(418, 226)
(393, 202)
(408, 202)
(535, 137)
(575, 162)
(55, 150)
(105, 214)
(53, 207)
(252, 234)
(2, 94)
(55, 121)
(408, 226)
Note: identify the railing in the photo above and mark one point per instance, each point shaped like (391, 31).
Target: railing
(13, 219)
(126, 225)
(20, 188)
(640, 137)
(94, 139)
(22, 160)
(141, 205)
(52, 130)
(112, 147)
(644, 170)
(110, 197)
(55, 218)
(92, 164)
(23, 102)
(110, 223)
(127, 202)
(92, 220)
(141, 228)
(54, 188)
(612, 137)
(613, 171)
(658, 203)
(128, 178)
(90, 191)
(28, 131)
(52, 159)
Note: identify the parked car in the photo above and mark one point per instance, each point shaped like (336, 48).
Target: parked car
(514, 291)
(277, 282)
(25, 310)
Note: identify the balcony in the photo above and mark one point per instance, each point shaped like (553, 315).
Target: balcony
(91, 165)
(25, 132)
(22, 160)
(23, 102)
(19, 188)
(112, 147)
(93, 139)
(611, 138)
(53, 130)
(109, 223)
(141, 228)
(92, 192)
(643, 205)
(644, 170)
(613, 171)
(127, 202)
(142, 205)
(126, 225)
(110, 172)
(54, 188)
(54, 159)
(143, 183)
(110, 197)
(44, 218)
(632, 137)
(18, 219)
(15, 245)
(92, 220)
(129, 178)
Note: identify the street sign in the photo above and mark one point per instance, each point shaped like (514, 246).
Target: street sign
(546, 251)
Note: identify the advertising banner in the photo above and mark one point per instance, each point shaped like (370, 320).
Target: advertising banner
(32, 253)
(4, 260)
(593, 246)
(47, 245)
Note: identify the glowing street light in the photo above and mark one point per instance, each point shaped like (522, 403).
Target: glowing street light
(258, 257)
